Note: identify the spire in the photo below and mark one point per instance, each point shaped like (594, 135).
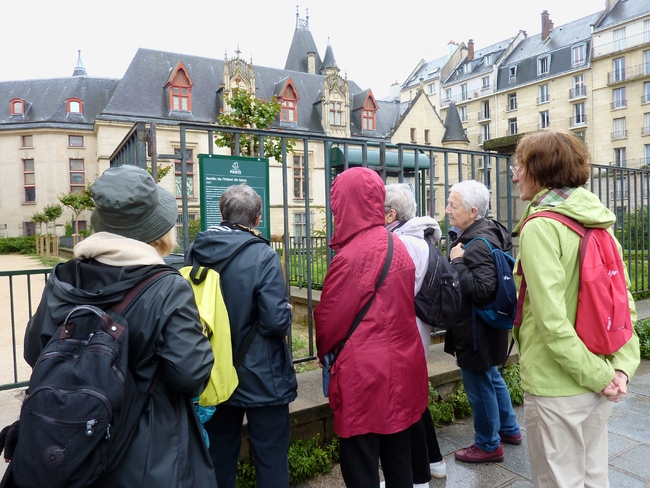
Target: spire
(328, 60)
(79, 70)
(454, 131)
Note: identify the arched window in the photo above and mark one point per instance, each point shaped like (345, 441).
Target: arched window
(180, 90)
(74, 106)
(369, 114)
(17, 106)
(289, 100)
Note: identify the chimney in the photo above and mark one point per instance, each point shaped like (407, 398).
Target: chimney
(451, 47)
(311, 63)
(546, 25)
(470, 50)
(609, 4)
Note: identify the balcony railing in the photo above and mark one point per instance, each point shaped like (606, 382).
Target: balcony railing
(578, 120)
(482, 138)
(619, 104)
(619, 134)
(483, 115)
(577, 92)
(512, 105)
(512, 131)
(619, 45)
(544, 125)
(645, 98)
(543, 99)
(645, 130)
(629, 73)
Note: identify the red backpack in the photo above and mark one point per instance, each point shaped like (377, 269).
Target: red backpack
(603, 319)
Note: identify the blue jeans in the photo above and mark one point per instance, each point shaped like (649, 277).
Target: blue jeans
(491, 407)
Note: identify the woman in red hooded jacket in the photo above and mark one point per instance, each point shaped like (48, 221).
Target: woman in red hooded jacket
(378, 385)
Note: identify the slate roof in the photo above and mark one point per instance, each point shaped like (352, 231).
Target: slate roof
(454, 131)
(623, 11)
(477, 65)
(301, 45)
(428, 71)
(558, 45)
(45, 101)
(140, 94)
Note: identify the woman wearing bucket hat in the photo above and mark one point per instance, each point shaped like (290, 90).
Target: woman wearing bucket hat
(134, 223)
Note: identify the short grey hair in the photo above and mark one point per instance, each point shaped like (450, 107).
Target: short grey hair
(400, 197)
(240, 204)
(473, 194)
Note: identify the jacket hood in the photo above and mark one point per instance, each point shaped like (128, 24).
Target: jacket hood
(416, 226)
(357, 200)
(215, 245)
(581, 205)
(490, 229)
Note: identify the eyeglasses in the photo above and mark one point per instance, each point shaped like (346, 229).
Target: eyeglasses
(515, 170)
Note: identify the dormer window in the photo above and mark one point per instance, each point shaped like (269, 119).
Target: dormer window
(74, 106)
(543, 65)
(289, 100)
(512, 74)
(180, 89)
(369, 114)
(488, 60)
(17, 106)
(467, 68)
(578, 54)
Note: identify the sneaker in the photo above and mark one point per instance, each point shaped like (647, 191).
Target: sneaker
(515, 440)
(473, 454)
(439, 469)
(382, 484)
(420, 485)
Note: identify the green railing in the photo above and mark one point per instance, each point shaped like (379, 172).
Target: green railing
(21, 292)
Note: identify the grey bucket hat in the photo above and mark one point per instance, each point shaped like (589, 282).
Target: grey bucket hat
(128, 202)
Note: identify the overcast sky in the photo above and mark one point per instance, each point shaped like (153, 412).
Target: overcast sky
(375, 43)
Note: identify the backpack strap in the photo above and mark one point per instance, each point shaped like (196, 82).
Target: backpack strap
(197, 275)
(572, 224)
(134, 292)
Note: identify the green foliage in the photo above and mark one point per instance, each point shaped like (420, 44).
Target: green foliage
(68, 228)
(513, 382)
(248, 111)
(642, 328)
(39, 219)
(52, 212)
(162, 171)
(632, 232)
(78, 202)
(306, 460)
(21, 245)
(193, 228)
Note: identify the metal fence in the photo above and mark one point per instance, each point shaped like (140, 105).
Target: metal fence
(430, 170)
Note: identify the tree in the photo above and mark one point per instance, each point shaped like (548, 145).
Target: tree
(162, 171)
(254, 113)
(78, 202)
(52, 212)
(39, 219)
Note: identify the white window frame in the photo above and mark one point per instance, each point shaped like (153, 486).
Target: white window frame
(542, 94)
(578, 54)
(619, 39)
(544, 65)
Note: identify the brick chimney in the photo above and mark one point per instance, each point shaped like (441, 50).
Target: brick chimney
(470, 50)
(546, 25)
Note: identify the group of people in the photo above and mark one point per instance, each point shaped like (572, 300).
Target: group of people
(379, 381)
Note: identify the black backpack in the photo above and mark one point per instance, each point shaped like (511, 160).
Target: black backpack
(438, 301)
(82, 405)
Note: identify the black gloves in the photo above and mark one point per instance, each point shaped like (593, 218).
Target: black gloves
(9, 439)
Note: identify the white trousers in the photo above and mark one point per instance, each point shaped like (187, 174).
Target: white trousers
(567, 440)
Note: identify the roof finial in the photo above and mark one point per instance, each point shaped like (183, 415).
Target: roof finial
(307, 17)
(237, 52)
(297, 16)
(79, 69)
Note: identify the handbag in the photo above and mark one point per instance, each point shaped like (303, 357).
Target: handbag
(330, 357)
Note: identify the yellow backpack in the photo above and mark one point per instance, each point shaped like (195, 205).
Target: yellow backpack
(216, 327)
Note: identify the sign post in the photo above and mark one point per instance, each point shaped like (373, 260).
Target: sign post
(219, 172)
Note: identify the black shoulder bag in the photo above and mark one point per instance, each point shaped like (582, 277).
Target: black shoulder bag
(331, 356)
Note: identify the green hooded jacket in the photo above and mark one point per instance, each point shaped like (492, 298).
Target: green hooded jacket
(553, 359)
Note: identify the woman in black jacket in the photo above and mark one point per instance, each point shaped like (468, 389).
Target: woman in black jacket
(134, 223)
(479, 348)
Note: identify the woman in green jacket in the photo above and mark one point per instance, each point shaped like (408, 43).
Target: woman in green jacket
(569, 391)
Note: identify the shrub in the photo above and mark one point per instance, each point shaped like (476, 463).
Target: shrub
(306, 460)
(21, 245)
(513, 382)
(642, 328)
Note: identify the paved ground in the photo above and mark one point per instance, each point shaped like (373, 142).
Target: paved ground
(629, 428)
